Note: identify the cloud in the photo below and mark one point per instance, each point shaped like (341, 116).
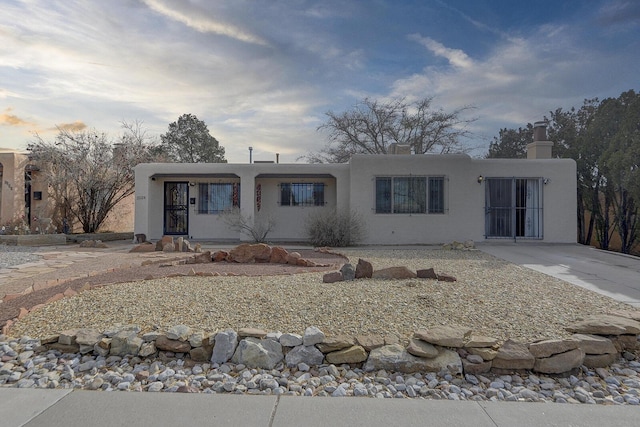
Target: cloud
(620, 12)
(76, 126)
(519, 80)
(202, 23)
(456, 57)
(7, 119)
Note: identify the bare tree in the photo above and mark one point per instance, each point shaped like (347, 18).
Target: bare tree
(88, 172)
(372, 126)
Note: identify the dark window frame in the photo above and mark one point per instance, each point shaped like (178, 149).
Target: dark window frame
(410, 195)
(302, 194)
(212, 199)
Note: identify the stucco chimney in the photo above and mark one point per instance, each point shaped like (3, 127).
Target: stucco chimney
(540, 148)
(395, 148)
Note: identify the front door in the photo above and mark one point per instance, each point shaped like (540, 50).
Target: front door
(513, 208)
(176, 208)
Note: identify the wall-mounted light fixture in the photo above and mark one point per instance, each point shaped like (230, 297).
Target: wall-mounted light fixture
(153, 178)
(192, 184)
(480, 179)
(545, 181)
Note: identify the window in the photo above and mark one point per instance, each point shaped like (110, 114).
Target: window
(413, 194)
(216, 198)
(302, 194)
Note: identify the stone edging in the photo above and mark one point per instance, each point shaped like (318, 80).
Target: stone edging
(597, 342)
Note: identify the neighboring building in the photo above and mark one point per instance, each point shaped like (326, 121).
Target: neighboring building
(403, 198)
(23, 193)
(24, 198)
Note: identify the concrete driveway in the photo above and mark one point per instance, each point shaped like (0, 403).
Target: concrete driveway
(608, 273)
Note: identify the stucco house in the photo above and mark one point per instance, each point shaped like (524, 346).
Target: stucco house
(24, 199)
(403, 198)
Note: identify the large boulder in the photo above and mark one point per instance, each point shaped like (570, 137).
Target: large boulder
(249, 253)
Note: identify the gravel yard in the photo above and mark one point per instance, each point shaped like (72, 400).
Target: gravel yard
(491, 296)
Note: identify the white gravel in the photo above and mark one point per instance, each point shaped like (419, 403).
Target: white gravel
(491, 296)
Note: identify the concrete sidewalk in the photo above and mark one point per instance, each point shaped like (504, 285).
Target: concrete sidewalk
(53, 408)
(608, 273)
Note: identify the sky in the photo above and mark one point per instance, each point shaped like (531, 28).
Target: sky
(264, 73)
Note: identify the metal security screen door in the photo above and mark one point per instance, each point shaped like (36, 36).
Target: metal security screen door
(176, 207)
(513, 208)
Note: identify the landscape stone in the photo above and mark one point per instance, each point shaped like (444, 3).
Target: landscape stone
(395, 358)
(147, 349)
(471, 368)
(88, 336)
(559, 363)
(308, 354)
(444, 336)
(312, 335)
(446, 278)
(421, 348)
(165, 343)
(353, 354)
(335, 343)
(370, 341)
(427, 273)
(144, 247)
(250, 253)
(513, 356)
(256, 353)
(125, 342)
(225, 343)
(364, 269)
(219, 256)
(179, 332)
(290, 340)
(480, 341)
(605, 324)
(486, 353)
(293, 257)
(599, 360)
(594, 344)
(393, 273)
(68, 337)
(547, 348)
(348, 272)
(332, 277)
(278, 255)
(251, 332)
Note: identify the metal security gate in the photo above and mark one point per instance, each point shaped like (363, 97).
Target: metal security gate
(513, 208)
(176, 208)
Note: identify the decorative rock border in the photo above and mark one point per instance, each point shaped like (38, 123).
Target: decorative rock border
(598, 341)
(34, 239)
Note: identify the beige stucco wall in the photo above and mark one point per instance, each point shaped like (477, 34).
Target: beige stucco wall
(12, 202)
(464, 216)
(352, 186)
(289, 220)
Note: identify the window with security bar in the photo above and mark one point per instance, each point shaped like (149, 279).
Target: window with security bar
(215, 198)
(410, 195)
(302, 194)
